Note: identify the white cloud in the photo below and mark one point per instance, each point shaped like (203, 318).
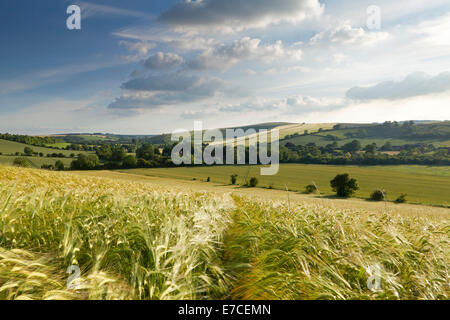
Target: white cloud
(345, 34)
(141, 47)
(434, 32)
(155, 91)
(163, 61)
(293, 105)
(415, 84)
(224, 56)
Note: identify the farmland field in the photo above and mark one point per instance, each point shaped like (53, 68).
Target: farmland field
(322, 141)
(36, 162)
(158, 242)
(11, 147)
(426, 185)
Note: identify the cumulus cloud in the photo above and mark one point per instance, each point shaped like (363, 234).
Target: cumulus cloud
(140, 47)
(224, 56)
(291, 105)
(175, 82)
(168, 89)
(163, 61)
(238, 15)
(415, 84)
(345, 34)
(305, 104)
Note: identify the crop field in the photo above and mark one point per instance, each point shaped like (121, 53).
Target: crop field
(162, 243)
(425, 185)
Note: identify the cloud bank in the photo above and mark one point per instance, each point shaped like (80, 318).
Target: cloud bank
(415, 84)
(238, 14)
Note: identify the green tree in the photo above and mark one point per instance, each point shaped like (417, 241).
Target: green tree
(130, 162)
(371, 148)
(28, 151)
(104, 152)
(253, 182)
(146, 152)
(85, 162)
(344, 186)
(378, 195)
(233, 179)
(59, 165)
(353, 146)
(21, 162)
(401, 199)
(117, 153)
(310, 188)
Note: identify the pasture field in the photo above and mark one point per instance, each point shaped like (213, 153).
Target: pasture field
(322, 141)
(36, 162)
(59, 145)
(11, 147)
(158, 242)
(425, 185)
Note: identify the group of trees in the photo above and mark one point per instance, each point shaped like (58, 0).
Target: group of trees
(355, 153)
(344, 186)
(31, 140)
(116, 156)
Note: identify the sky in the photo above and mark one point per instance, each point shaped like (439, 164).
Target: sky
(149, 67)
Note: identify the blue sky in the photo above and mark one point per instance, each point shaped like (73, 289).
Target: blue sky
(142, 66)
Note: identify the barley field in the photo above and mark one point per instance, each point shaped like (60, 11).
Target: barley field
(422, 184)
(140, 240)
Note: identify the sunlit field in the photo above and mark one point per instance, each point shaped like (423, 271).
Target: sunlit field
(425, 185)
(138, 240)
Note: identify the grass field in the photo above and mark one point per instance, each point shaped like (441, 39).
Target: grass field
(11, 147)
(320, 140)
(36, 162)
(427, 185)
(59, 145)
(137, 240)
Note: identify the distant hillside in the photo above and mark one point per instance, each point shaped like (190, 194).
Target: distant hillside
(407, 133)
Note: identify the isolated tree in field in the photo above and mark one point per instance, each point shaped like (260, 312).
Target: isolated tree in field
(253, 182)
(344, 186)
(311, 188)
(28, 151)
(401, 199)
(378, 195)
(233, 179)
(59, 165)
(21, 162)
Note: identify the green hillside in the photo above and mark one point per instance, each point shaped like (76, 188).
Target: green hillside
(11, 147)
(436, 133)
